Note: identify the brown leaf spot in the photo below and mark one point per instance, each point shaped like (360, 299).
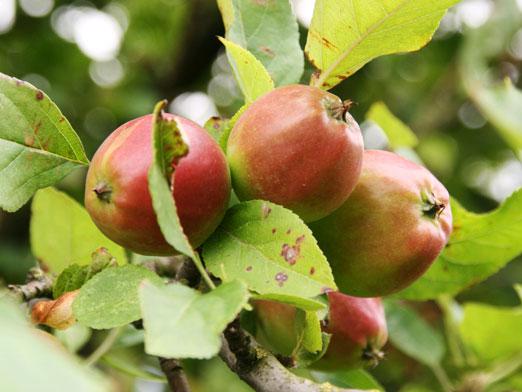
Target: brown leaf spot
(29, 140)
(274, 230)
(62, 119)
(288, 231)
(249, 268)
(328, 44)
(39, 95)
(292, 252)
(265, 210)
(281, 278)
(299, 240)
(312, 271)
(37, 127)
(266, 50)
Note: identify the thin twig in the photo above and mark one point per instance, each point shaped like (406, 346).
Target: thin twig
(38, 284)
(175, 375)
(442, 377)
(260, 369)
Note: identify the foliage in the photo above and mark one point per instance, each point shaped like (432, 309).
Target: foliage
(262, 250)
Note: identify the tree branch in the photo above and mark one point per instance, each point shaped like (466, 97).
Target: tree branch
(175, 375)
(260, 369)
(39, 284)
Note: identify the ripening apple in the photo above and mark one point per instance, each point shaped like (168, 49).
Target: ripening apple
(117, 195)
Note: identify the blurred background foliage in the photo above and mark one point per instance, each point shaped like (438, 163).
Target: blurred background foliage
(106, 62)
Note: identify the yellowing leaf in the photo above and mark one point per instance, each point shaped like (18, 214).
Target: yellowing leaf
(346, 34)
(251, 75)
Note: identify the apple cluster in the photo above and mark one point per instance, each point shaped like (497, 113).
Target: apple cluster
(380, 219)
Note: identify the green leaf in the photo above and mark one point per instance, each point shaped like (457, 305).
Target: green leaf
(165, 136)
(357, 379)
(38, 146)
(269, 248)
(75, 276)
(180, 322)
(499, 102)
(26, 349)
(298, 302)
(347, 34)
(252, 77)
(70, 279)
(413, 336)
(479, 246)
(110, 299)
(399, 134)
(216, 127)
(62, 233)
(310, 331)
(492, 332)
(269, 31)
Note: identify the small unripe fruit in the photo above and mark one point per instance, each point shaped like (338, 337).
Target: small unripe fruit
(358, 332)
(117, 195)
(296, 146)
(389, 231)
(357, 327)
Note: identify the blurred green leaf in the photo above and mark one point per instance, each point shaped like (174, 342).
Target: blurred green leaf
(492, 332)
(499, 101)
(345, 35)
(32, 359)
(357, 378)
(38, 146)
(311, 339)
(62, 233)
(479, 246)
(110, 299)
(251, 75)
(269, 31)
(269, 248)
(413, 336)
(180, 322)
(399, 134)
(74, 337)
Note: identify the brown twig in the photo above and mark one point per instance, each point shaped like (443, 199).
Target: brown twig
(260, 369)
(39, 284)
(175, 375)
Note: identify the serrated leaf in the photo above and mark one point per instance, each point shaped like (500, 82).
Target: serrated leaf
(479, 246)
(62, 233)
(298, 302)
(346, 34)
(180, 322)
(110, 299)
(75, 276)
(399, 134)
(269, 248)
(412, 335)
(492, 332)
(159, 182)
(251, 75)
(51, 367)
(70, 279)
(269, 31)
(38, 146)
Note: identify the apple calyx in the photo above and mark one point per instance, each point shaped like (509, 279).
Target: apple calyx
(432, 207)
(337, 110)
(103, 191)
(372, 356)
